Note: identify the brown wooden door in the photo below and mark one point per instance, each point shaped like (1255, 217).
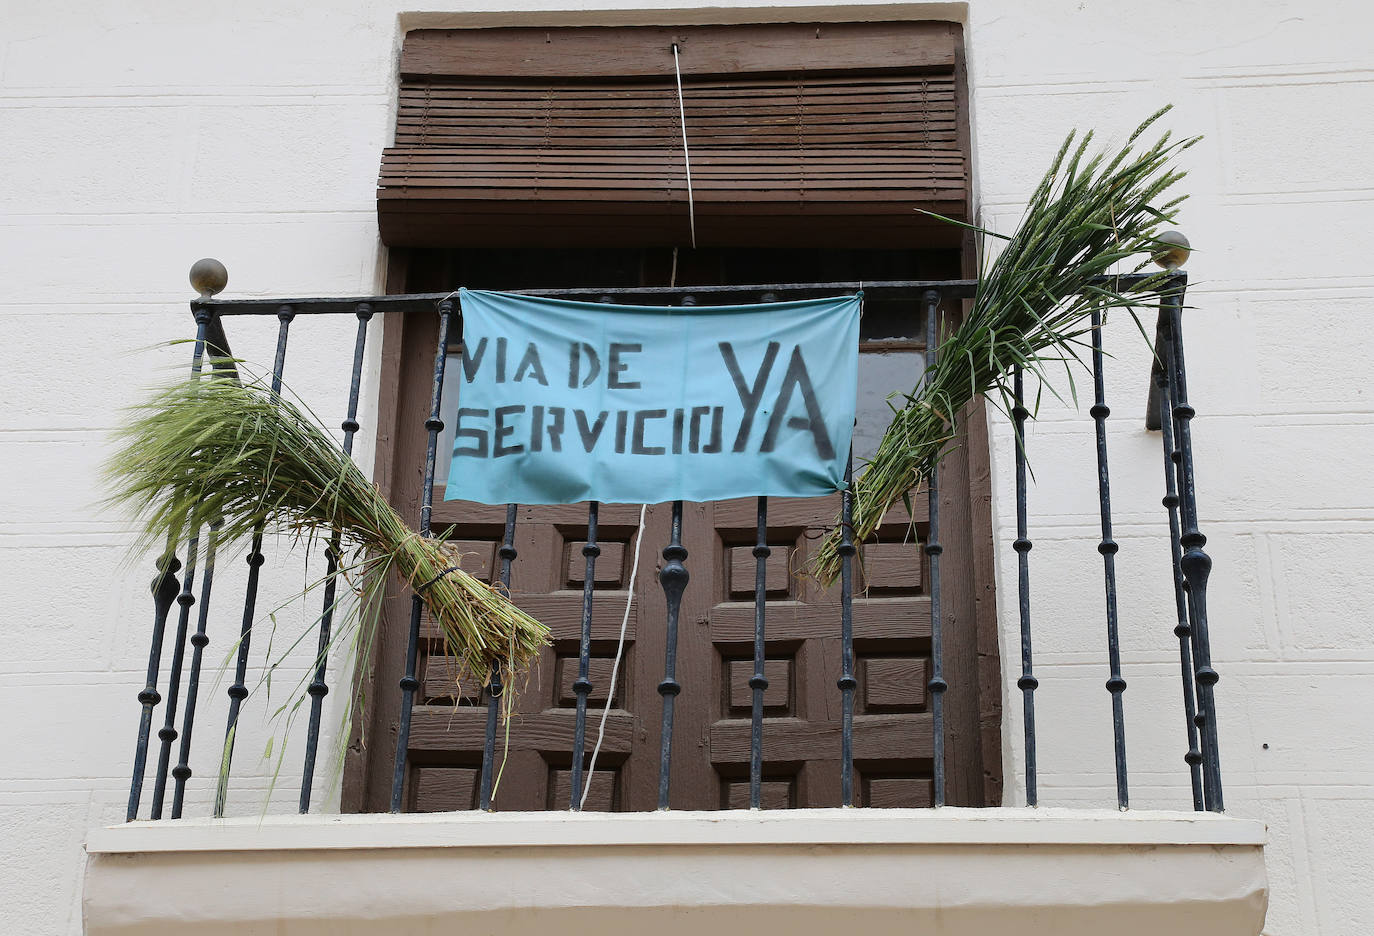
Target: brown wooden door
(715, 648)
(547, 580)
(801, 735)
(802, 705)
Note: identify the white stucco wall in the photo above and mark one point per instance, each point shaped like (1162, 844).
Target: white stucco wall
(135, 139)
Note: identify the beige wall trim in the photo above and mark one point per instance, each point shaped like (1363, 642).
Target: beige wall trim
(955, 11)
(880, 872)
(948, 826)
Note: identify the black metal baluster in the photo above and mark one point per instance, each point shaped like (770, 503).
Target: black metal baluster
(1107, 547)
(1195, 563)
(434, 425)
(758, 682)
(168, 732)
(582, 686)
(239, 691)
(164, 588)
(937, 685)
(182, 771)
(1027, 683)
(847, 683)
(318, 688)
(209, 277)
(1183, 630)
(494, 687)
(673, 577)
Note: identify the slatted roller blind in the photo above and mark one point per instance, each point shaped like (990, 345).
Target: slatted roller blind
(799, 135)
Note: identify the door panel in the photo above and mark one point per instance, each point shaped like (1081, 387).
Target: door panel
(801, 729)
(448, 728)
(801, 734)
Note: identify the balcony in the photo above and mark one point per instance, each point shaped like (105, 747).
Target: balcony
(443, 851)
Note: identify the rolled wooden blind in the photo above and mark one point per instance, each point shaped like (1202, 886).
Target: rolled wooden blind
(799, 135)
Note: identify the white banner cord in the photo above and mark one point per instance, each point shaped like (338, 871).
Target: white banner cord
(619, 653)
(686, 157)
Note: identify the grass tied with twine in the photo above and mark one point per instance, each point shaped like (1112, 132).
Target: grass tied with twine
(1086, 218)
(211, 451)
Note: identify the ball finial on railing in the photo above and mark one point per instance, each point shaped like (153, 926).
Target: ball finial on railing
(208, 277)
(1171, 250)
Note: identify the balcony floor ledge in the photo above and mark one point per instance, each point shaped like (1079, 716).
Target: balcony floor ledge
(947, 826)
(1030, 871)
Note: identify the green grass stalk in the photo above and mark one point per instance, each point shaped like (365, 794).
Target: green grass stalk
(1087, 218)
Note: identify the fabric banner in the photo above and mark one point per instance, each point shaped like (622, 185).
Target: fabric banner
(563, 401)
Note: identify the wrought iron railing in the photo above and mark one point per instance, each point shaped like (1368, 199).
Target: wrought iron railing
(1168, 410)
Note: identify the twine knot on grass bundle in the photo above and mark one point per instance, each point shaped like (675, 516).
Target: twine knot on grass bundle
(210, 451)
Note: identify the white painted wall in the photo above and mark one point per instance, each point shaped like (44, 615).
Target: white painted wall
(136, 138)
(1282, 284)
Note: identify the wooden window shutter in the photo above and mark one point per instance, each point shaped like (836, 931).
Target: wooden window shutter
(807, 135)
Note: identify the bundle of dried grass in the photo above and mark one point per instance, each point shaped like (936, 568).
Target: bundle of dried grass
(1031, 307)
(210, 450)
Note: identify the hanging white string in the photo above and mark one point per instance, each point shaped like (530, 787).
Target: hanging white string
(686, 158)
(615, 667)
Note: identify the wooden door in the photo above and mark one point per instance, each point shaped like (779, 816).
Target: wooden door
(802, 704)
(715, 659)
(801, 734)
(534, 755)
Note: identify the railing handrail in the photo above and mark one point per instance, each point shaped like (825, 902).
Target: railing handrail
(914, 290)
(873, 289)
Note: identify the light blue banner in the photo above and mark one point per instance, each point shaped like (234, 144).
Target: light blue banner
(564, 401)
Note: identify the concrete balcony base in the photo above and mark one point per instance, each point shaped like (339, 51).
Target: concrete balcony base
(1033, 872)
